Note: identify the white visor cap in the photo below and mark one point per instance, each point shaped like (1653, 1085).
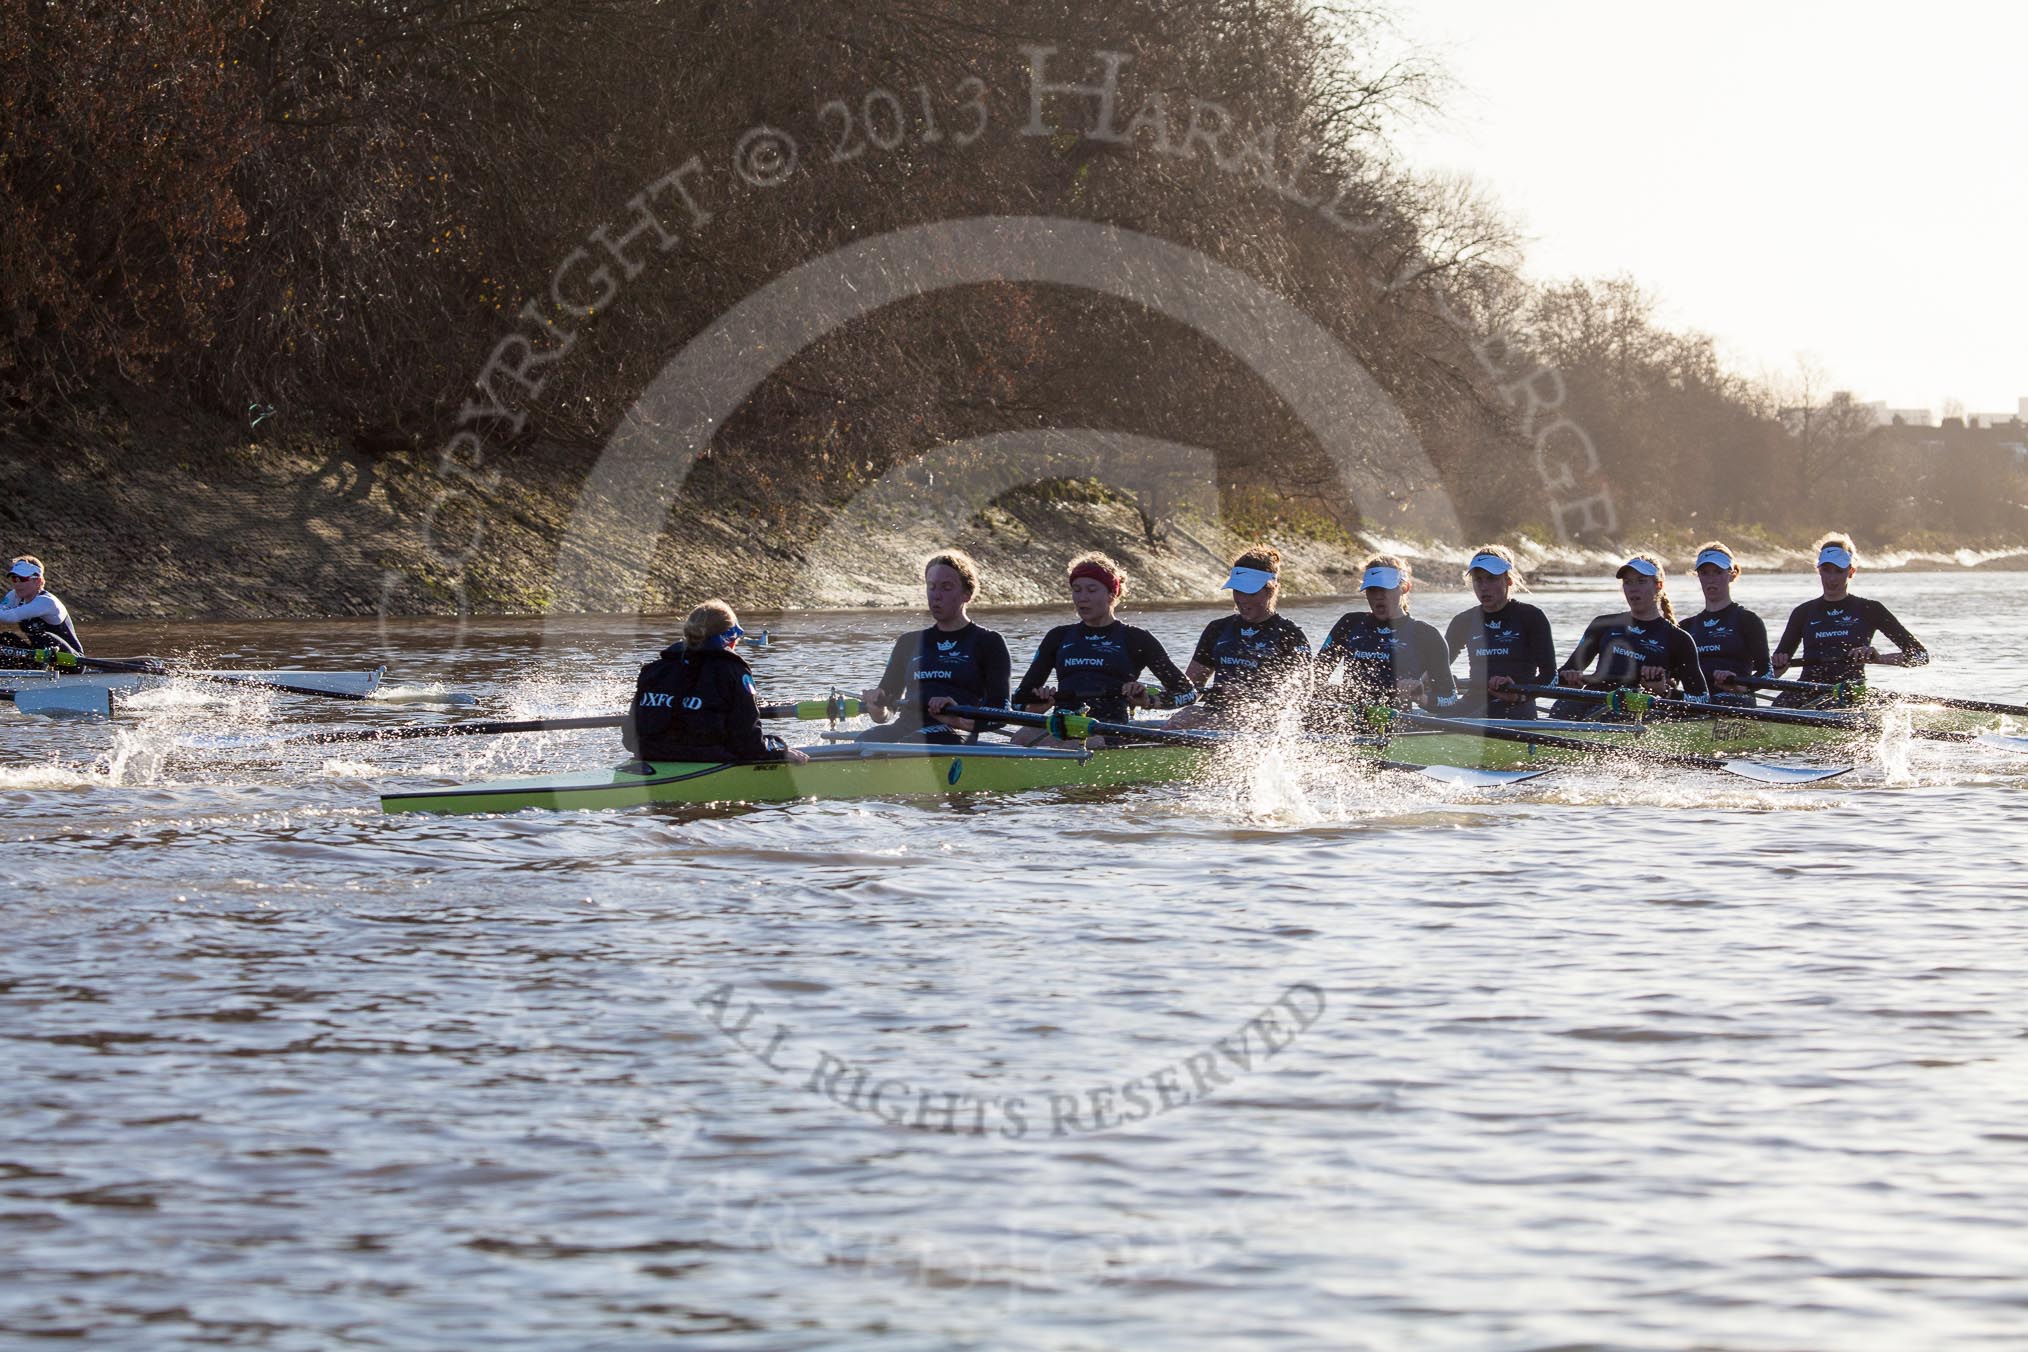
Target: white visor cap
(1381, 576)
(1836, 554)
(1641, 566)
(1716, 557)
(1488, 563)
(1248, 580)
(24, 569)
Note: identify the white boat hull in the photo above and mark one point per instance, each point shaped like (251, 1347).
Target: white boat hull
(340, 683)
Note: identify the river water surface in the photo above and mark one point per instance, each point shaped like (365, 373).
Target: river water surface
(1295, 1057)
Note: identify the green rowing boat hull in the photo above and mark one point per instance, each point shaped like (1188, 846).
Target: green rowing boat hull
(829, 774)
(842, 771)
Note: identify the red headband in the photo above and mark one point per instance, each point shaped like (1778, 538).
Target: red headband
(1098, 572)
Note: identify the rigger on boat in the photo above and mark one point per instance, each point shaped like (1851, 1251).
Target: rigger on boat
(1638, 689)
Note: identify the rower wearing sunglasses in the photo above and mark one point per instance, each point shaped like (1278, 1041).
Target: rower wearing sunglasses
(41, 619)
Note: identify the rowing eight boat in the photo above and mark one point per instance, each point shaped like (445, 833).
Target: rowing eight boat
(902, 770)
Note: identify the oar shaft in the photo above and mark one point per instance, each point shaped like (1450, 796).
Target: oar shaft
(1977, 706)
(256, 683)
(1550, 739)
(1752, 713)
(1777, 683)
(810, 710)
(1078, 727)
(409, 731)
(145, 666)
(804, 709)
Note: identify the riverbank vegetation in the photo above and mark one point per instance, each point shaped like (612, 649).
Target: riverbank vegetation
(315, 226)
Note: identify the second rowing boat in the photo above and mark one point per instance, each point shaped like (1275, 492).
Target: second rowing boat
(344, 684)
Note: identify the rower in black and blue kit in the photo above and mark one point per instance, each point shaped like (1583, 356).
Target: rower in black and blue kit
(1390, 658)
(954, 661)
(1253, 659)
(1639, 646)
(1731, 640)
(1505, 642)
(43, 621)
(1836, 629)
(1097, 663)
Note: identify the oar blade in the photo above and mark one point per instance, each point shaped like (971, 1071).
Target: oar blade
(1465, 776)
(2003, 741)
(1768, 772)
(92, 703)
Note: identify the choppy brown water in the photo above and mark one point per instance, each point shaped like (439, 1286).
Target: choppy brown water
(1595, 1061)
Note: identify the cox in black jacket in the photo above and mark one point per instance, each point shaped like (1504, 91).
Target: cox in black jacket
(696, 705)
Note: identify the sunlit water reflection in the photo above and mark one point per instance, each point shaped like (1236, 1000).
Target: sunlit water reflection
(1297, 1054)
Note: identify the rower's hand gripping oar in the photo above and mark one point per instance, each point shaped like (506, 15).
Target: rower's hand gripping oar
(1070, 727)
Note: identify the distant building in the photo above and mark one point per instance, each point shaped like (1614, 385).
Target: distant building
(1883, 416)
(1878, 414)
(1957, 434)
(1875, 414)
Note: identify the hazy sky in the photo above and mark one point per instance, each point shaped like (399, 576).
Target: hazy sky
(1846, 181)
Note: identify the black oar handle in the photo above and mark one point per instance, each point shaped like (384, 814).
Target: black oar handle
(1778, 683)
(413, 730)
(833, 708)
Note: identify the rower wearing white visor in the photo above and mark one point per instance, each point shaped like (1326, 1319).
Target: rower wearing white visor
(1731, 640)
(1252, 656)
(1390, 658)
(1836, 630)
(1505, 642)
(43, 621)
(1640, 645)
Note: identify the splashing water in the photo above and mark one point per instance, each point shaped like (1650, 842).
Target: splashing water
(341, 768)
(1897, 730)
(45, 775)
(135, 757)
(1291, 776)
